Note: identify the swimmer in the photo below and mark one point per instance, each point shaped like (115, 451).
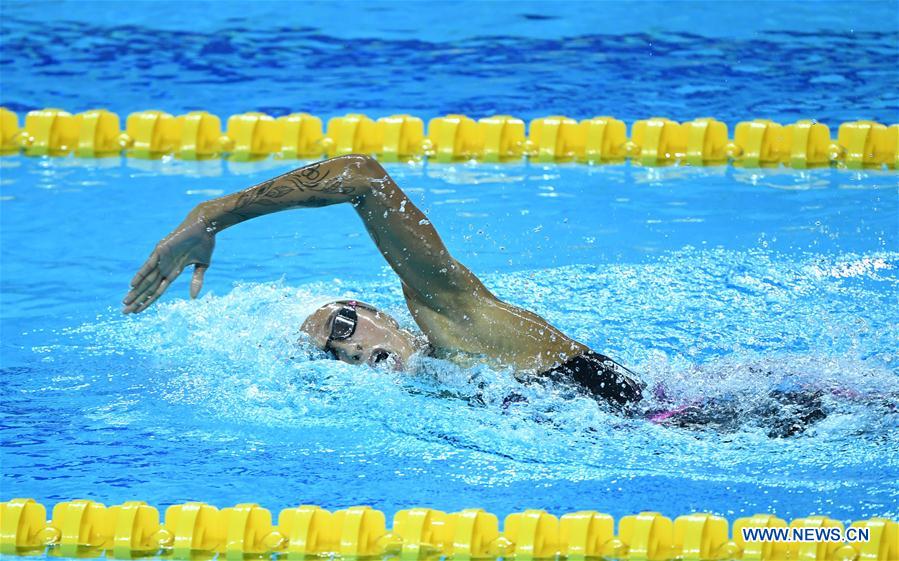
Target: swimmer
(457, 314)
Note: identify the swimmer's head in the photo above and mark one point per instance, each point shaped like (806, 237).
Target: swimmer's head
(357, 333)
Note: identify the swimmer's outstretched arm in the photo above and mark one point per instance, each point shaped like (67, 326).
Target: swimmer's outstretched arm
(401, 231)
(446, 299)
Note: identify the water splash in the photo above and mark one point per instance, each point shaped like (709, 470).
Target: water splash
(701, 324)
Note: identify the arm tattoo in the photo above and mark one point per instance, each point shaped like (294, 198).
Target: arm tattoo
(309, 178)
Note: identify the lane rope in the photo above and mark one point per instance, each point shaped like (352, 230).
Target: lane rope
(254, 136)
(195, 530)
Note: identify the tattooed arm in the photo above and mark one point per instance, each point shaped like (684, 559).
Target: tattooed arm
(448, 301)
(402, 233)
(333, 181)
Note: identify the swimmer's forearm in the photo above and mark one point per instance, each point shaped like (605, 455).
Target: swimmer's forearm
(403, 234)
(338, 180)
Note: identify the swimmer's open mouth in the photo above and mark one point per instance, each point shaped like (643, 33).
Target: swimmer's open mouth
(386, 359)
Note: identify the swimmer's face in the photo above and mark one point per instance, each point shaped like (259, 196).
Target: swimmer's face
(376, 340)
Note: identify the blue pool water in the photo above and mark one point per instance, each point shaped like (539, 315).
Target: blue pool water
(713, 282)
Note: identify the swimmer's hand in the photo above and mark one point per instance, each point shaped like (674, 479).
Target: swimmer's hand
(191, 243)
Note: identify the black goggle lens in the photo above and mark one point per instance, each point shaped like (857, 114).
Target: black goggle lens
(344, 324)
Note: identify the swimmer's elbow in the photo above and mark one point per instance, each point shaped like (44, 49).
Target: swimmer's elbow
(359, 161)
(367, 173)
(366, 164)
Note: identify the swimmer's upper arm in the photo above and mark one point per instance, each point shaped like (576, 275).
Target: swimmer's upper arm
(460, 311)
(413, 248)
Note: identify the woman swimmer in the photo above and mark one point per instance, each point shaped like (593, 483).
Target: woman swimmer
(453, 308)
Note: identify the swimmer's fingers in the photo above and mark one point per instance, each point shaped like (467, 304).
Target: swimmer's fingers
(196, 283)
(151, 291)
(137, 291)
(146, 276)
(149, 265)
(137, 299)
(163, 284)
(154, 284)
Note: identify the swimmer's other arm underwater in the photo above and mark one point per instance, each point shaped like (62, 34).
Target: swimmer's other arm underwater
(453, 308)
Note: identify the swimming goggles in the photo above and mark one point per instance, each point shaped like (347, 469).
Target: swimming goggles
(343, 325)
